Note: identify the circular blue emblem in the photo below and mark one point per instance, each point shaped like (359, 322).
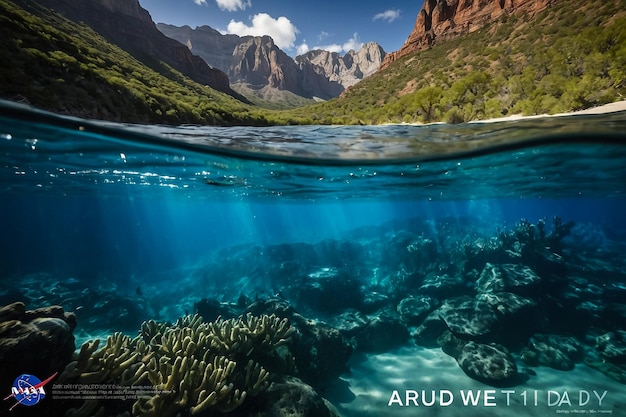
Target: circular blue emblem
(28, 390)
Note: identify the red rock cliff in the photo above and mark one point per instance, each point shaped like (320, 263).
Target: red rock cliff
(440, 20)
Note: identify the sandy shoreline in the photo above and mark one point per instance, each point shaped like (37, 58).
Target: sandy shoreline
(607, 108)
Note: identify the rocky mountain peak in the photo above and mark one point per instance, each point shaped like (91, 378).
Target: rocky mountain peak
(440, 20)
(368, 58)
(346, 70)
(257, 63)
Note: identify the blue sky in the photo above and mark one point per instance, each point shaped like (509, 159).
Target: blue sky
(298, 26)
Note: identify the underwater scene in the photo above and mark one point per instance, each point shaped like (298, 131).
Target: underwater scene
(442, 270)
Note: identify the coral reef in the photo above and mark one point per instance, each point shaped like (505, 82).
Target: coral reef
(527, 243)
(504, 289)
(320, 351)
(538, 293)
(522, 294)
(192, 366)
(97, 306)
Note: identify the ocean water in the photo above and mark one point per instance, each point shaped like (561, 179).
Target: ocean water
(125, 223)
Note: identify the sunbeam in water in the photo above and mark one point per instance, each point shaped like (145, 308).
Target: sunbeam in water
(439, 270)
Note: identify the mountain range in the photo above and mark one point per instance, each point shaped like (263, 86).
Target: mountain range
(464, 60)
(481, 59)
(254, 66)
(128, 25)
(257, 67)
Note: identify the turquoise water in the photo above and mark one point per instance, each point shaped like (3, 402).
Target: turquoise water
(149, 220)
(147, 197)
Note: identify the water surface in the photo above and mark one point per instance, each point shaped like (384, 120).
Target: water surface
(160, 217)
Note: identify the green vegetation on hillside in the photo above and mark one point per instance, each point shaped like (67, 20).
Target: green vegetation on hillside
(570, 57)
(58, 65)
(271, 98)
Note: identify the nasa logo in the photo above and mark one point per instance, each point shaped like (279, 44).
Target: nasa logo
(28, 390)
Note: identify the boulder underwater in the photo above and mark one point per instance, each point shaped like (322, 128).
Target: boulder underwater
(39, 341)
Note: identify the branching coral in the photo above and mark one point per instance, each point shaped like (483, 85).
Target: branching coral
(192, 366)
(249, 333)
(192, 384)
(113, 362)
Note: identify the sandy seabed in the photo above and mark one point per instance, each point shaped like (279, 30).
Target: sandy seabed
(377, 386)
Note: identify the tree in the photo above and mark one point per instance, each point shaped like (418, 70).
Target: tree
(427, 101)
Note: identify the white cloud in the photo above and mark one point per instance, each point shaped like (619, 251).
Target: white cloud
(331, 48)
(352, 43)
(230, 5)
(323, 35)
(387, 16)
(199, 2)
(303, 48)
(281, 30)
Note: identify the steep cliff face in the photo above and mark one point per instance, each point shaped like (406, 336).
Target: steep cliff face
(440, 20)
(258, 61)
(216, 49)
(126, 24)
(253, 61)
(345, 70)
(260, 65)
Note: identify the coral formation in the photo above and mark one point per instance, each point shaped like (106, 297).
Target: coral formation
(528, 293)
(529, 244)
(97, 306)
(191, 366)
(320, 351)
